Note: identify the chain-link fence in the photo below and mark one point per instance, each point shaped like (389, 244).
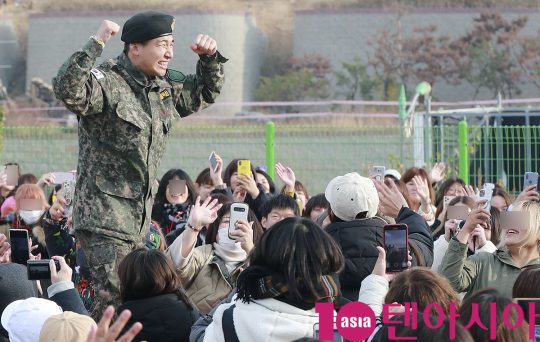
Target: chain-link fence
(498, 149)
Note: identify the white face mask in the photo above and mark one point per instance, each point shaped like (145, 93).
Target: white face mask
(30, 216)
(224, 239)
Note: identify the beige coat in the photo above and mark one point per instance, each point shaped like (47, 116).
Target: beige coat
(203, 275)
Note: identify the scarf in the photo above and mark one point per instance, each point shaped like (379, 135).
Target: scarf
(231, 256)
(259, 282)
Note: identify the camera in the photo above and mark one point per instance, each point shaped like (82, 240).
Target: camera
(39, 269)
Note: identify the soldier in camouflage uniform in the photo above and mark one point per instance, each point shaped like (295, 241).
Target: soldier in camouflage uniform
(126, 108)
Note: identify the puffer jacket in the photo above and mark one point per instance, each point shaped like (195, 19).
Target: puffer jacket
(359, 239)
(203, 274)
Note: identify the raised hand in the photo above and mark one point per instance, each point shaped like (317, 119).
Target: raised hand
(203, 213)
(104, 332)
(286, 174)
(391, 200)
(46, 179)
(249, 184)
(215, 175)
(106, 30)
(530, 193)
(244, 234)
(437, 173)
(204, 45)
(421, 187)
(56, 211)
(5, 250)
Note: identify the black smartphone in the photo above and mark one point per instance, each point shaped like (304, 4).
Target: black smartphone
(396, 247)
(18, 239)
(39, 269)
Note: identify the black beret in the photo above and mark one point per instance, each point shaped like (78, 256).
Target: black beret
(147, 25)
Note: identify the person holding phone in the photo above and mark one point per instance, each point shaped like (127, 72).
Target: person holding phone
(30, 217)
(358, 229)
(294, 266)
(126, 108)
(484, 238)
(174, 199)
(209, 272)
(240, 187)
(519, 248)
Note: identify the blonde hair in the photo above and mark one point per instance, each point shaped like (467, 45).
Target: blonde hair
(30, 191)
(533, 208)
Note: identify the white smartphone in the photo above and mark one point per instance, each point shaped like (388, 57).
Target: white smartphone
(62, 177)
(486, 193)
(239, 211)
(378, 172)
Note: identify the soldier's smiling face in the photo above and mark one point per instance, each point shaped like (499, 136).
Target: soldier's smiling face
(153, 57)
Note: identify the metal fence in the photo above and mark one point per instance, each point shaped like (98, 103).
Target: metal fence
(500, 145)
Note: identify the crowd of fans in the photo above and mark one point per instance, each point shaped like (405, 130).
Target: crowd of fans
(191, 279)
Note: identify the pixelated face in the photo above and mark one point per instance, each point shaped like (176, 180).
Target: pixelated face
(153, 56)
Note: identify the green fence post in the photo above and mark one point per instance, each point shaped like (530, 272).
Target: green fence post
(463, 137)
(270, 135)
(402, 115)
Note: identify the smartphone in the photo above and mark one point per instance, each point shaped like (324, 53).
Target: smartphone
(213, 161)
(177, 187)
(239, 211)
(530, 178)
(39, 269)
(69, 194)
(485, 194)
(457, 212)
(337, 335)
(378, 173)
(244, 168)
(18, 239)
(446, 201)
(12, 173)
(396, 246)
(62, 177)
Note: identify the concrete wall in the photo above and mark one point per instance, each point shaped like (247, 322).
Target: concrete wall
(9, 51)
(53, 38)
(340, 35)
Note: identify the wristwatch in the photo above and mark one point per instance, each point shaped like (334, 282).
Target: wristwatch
(222, 186)
(98, 40)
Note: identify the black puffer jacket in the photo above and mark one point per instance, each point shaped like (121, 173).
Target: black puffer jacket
(164, 318)
(359, 239)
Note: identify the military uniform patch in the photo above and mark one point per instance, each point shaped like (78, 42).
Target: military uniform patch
(175, 76)
(164, 94)
(97, 73)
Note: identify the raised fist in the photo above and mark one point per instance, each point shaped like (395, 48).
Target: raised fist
(204, 45)
(106, 30)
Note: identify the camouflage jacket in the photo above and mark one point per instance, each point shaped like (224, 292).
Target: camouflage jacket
(125, 119)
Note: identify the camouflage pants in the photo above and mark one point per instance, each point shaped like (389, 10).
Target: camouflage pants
(103, 255)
